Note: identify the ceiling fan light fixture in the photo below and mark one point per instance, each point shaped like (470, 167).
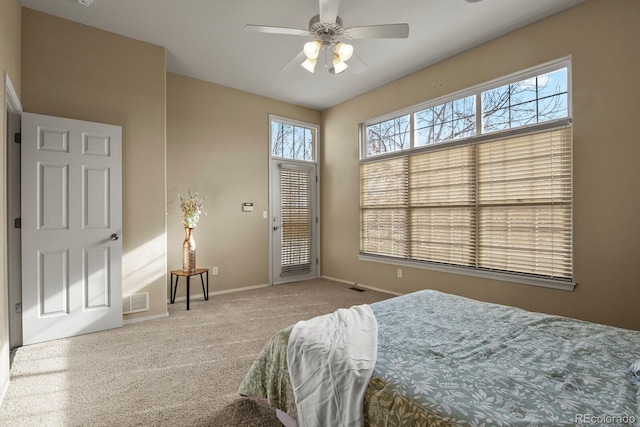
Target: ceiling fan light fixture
(312, 49)
(338, 64)
(310, 64)
(324, 31)
(344, 50)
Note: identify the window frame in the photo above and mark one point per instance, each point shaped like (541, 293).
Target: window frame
(479, 137)
(477, 92)
(299, 124)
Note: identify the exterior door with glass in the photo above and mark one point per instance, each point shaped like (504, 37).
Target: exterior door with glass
(294, 218)
(294, 222)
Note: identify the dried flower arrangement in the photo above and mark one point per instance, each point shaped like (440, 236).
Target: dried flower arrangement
(191, 208)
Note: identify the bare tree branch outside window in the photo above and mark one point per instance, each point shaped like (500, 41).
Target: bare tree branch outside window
(291, 142)
(535, 100)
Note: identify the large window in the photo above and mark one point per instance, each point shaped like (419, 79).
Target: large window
(437, 190)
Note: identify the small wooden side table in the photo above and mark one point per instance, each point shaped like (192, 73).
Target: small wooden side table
(188, 274)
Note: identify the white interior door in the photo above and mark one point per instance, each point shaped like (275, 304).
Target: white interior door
(71, 223)
(294, 221)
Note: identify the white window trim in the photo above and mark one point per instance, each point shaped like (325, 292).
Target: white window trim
(293, 122)
(469, 271)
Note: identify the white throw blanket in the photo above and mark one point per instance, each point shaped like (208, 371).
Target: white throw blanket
(330, 360)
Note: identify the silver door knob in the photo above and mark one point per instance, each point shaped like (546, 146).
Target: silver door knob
(114, 236)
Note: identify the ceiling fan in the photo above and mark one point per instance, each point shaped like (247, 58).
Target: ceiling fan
(326, 29)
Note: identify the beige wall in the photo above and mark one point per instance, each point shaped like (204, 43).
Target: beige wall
(603, 38)
(71, 70)
(10, 35)
(218, 143)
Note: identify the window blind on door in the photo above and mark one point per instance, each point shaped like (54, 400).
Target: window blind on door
(502, 205)
(296, 220)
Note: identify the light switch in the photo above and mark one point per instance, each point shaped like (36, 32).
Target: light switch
(265, 214)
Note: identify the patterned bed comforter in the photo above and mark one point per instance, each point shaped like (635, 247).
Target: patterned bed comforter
(445, 360)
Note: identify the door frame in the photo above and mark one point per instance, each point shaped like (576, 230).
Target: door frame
(12, 256)
(272, 162)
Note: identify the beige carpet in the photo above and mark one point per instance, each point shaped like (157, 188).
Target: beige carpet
(183, 370)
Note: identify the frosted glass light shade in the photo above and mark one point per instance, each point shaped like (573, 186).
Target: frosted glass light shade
(338, 64)
(312, 49)
(310, 64)
(344, 51)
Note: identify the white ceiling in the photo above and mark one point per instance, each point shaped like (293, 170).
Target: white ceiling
(205, 38)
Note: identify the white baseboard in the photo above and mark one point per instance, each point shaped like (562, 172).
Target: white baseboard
(360, 285)
(224, 291)
(248, 288)
(3, 391)
(335, 279)
(145, 318)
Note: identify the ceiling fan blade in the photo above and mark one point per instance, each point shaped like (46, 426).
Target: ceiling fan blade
(388, 31)
(296, 61)
(275, 30)
(329, 11)
(357, 65)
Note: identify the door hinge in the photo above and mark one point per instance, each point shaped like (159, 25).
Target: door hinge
(316, 220)
(18, 308)
(17, 223)
(316, 179)
(316, 261)
(17, 138)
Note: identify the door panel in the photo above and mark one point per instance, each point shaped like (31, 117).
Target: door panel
(53, 283)
(95, 203)
(97, 286)
(294, 227)
(71, 205)
(53, 196)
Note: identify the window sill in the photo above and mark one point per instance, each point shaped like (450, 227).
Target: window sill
(505, 277)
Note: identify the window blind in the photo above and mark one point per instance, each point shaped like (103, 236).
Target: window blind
(501, 205)
(384, 199)
(525, 204)
(443, 206)
(296, 216)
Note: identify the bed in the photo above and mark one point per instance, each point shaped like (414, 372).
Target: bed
(444, 360)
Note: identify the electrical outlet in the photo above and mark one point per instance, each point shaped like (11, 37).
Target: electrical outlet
(399, 273)
(214, 271)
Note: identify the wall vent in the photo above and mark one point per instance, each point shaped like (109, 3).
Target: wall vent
(135, 303)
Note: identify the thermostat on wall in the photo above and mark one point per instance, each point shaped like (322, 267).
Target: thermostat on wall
(247, 207)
